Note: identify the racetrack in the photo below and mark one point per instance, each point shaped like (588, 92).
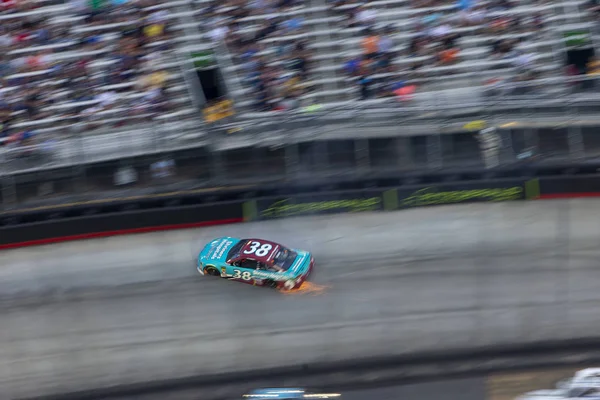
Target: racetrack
(125, 309)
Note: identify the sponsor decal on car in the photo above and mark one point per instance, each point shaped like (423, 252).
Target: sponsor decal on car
(268, 275)
(298, 263)
(221, 247)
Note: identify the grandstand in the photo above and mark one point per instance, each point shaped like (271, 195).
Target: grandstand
(92, 62)
(126, 68)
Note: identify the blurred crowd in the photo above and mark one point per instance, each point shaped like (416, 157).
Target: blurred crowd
(102, 62)
(86, 62)
(435, 41)
(275, 58)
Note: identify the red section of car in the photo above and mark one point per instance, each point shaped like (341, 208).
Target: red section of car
(263, 251)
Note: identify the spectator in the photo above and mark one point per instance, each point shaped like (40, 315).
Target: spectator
(5, 118)
(366, 17)
(219, 32)
(440, 29)
(352, 66)
(370, 44)
(386, 44)
(366, 83)
(293, 24)
(448, 56)
(523, 61)
(154, 80)
(499, 25)
(501, 48)
(418, 46)
(289, 103)
(474, 16)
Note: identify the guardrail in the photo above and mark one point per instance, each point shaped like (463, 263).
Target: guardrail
(549, 102)
(26, 183)
(81, 220)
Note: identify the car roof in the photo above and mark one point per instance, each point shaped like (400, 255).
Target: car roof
(261, 250)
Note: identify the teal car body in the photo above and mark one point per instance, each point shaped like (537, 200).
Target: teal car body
(288, 394)
(255, 261)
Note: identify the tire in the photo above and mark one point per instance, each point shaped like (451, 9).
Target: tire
(289, 285)
(271, 284)
(212, 271)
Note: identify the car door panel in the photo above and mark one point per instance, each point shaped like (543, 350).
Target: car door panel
(241, 272)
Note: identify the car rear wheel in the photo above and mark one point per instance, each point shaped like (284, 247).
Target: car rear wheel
(271, 284)
(212, 271)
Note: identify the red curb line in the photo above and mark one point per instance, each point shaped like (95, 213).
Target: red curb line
(119, 233)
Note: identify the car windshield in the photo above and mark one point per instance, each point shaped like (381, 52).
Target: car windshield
(235, 249)
(285, 258)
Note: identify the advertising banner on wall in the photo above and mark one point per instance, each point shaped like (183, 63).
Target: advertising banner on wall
(317, 204)
(439, 195)
(384, 199)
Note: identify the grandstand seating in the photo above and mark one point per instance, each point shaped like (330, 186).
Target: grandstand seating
(68, 67)
(333, 37)
(83, 67)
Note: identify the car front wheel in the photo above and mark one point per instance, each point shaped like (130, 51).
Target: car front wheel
(212, 271)
(289, 285)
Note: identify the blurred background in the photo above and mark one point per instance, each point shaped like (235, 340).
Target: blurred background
(102, 95)
(103, 99)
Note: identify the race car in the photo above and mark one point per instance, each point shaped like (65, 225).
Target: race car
(559, 394)
(288, 394)
(255, 261)
(587, 377)
(584, 384)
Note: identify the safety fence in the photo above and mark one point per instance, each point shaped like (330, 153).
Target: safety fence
(535, 124)
(178, 210)
(334, 159)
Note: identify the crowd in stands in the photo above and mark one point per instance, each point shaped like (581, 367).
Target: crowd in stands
(584, 76)
(276, 73)
(436, 40)
(85, 62)
(98, 62)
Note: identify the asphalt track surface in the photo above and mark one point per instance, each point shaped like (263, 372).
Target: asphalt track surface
(129, 309)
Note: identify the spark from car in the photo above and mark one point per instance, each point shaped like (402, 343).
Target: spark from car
(307, 288)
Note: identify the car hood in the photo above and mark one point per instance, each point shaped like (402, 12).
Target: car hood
(216, 251)
(300, 264)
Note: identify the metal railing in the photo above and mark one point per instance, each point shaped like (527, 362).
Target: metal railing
(353, 140)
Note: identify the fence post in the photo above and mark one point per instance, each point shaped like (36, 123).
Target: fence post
(216, 166)
(532, 189)
(434, 151)
(362, 156)
(292, 160)
(9, 191)
(250, 211)
(390, 200)
(574, 135)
